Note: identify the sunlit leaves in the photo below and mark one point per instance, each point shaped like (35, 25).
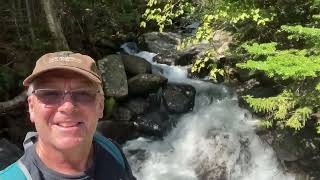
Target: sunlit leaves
(164, 12)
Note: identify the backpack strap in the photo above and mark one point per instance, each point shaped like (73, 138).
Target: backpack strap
(111, 148)
(15, 171)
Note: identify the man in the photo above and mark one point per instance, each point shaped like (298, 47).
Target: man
(65, 101)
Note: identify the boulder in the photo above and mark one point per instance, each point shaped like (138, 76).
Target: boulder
(145, 83)
(179, 98)
(297, 152)
(162, 43)
(138, 105)
(162, 59)
(118, 131)
(135, 65)
(186, 57)
(114, 76)
(129, 48)
(123, 114)
(153, 123)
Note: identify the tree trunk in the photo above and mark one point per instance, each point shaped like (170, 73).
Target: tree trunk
(14, 14)
(33, 37)
(54, 25)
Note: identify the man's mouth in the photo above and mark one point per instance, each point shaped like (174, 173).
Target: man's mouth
(68, 124)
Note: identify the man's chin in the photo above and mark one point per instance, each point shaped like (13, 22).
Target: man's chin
(70, 142)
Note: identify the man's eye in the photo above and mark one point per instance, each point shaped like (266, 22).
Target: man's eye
(85, 96)
(50, 94)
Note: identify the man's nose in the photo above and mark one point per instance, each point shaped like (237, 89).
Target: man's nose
(67, 104)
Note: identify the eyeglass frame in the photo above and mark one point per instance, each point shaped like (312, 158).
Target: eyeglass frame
(65, 92)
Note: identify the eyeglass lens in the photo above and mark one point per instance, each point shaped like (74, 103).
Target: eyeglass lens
(55, 97)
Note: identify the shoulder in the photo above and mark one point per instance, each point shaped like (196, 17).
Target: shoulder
(15, 171)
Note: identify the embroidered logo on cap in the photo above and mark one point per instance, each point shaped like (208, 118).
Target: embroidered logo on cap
(64, 60)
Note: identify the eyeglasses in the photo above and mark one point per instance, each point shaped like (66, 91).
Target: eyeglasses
(54, 97)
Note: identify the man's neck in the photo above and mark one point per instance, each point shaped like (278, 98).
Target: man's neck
(70, 162)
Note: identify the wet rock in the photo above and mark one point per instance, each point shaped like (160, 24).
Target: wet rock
(165, 45)
(114, 76)
(138, 105)
(136, 65)
(179, 98)
(129, 48)
(145, 83)
(162, 43)
(206, 172)
(123, 114)
(118, 131)
(153, 123)
(298, 153)
(155, 99)
(9, 153)
(186, 58)
(162, 59)
(177, 58)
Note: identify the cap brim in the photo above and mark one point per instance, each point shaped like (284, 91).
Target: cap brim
(87, 74)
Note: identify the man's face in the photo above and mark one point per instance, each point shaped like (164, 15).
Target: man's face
(67, 124)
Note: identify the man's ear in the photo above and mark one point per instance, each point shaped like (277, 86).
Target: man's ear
(100, 107)
(31, 107)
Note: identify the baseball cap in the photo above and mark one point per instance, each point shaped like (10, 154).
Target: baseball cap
(65, 60)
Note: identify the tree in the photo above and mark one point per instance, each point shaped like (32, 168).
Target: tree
(54, 25)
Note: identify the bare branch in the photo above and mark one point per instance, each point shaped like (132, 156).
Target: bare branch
(13, 103)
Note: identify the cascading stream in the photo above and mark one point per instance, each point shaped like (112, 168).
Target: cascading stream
(216, 141)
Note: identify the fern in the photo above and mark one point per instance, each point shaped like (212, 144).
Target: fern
(299, 118)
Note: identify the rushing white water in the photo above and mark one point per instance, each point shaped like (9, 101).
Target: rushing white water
(216, 141)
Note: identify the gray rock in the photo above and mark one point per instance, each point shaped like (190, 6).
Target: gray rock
(106, 43)
(186, 57)
(123, 114)
(114, 76)
(162, 59)
(145, 83)
(154, 123)
(129, 48)
(162, 43)
(179, 98)
(138, 105)
(119, 131)
(9, 153)
(136, 65)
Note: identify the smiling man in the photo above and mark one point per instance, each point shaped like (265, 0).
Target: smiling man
(65, 100)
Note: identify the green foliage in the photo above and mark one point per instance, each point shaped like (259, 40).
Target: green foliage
(301, 96)
(282, 64)
(164, 12)
(281, 110)
(261, 49)
(310, 33)
(109, 105)
(299, 118)
(318, 87)
(207, 63)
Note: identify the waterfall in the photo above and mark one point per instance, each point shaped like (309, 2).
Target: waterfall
(216, 141)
